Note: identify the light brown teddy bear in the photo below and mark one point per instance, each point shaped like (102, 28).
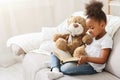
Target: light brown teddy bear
(75, 40)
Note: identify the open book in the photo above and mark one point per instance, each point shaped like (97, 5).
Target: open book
(64, 56)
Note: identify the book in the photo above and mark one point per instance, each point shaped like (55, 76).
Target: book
(64, 56)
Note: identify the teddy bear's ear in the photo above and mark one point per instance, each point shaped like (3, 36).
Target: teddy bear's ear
(69, 20)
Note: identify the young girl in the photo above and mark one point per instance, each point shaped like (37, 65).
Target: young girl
(97, 52)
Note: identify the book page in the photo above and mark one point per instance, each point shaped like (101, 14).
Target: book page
(61, 54)
(64, 56)
(73, 59)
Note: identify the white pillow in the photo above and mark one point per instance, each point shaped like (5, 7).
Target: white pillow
(47, 33)
(113, 24)
(47, 46)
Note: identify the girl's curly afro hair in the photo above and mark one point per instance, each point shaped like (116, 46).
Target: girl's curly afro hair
(94, 10)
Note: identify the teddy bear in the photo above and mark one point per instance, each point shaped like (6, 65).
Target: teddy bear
(75, 39)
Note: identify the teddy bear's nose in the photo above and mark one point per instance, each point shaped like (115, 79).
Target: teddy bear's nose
(75, 25)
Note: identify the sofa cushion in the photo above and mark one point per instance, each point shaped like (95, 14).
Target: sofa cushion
(99, 76)
(33, 62)
(113, 63)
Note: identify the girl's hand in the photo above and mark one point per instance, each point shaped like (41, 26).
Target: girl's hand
(82, 59)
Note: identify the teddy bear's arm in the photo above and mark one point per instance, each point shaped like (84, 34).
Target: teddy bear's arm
(87, 39)
(57, 36)
(74, 44)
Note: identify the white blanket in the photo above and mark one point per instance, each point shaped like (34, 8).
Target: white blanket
(27, 41)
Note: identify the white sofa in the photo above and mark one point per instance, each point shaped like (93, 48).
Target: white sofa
(33, 68)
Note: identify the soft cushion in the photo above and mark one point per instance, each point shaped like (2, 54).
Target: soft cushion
(47, 33)
(47, 46)
(113, 64)
(47, 42)
(113, 24)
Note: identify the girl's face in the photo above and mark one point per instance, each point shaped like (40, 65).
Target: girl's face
(96, 29)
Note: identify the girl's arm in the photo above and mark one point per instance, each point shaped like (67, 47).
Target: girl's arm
(99, 60)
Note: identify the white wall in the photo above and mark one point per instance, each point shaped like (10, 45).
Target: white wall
(115, 7)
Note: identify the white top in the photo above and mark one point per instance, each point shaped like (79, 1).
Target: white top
(94, 50)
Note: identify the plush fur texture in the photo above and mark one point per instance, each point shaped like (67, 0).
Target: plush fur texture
(75, 39)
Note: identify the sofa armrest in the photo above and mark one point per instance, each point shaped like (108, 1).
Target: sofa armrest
(24, 43)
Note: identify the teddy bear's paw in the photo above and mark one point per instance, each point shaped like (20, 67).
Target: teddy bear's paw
(61, 44)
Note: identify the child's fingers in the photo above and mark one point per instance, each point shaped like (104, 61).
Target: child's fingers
(79, 61)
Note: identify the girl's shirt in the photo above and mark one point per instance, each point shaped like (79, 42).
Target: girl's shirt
(94, 50)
